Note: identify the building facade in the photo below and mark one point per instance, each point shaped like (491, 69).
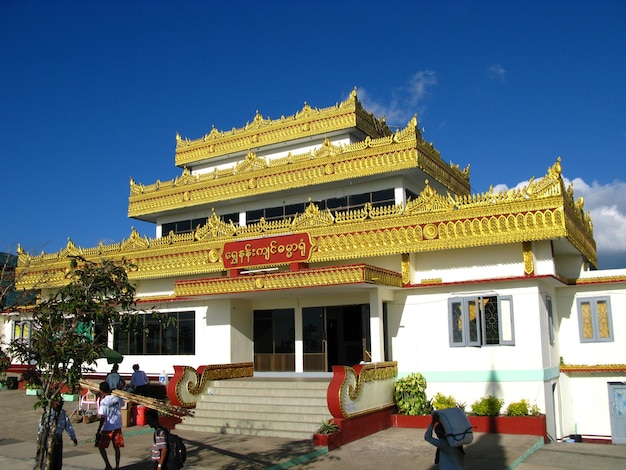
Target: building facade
(326, 238)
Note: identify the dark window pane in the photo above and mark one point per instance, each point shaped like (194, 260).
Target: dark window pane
(198, 222)
(490, 306)
(359, 199)
(313, 329)
(284, 331)
(253, 216)
(457, 322)
(293, 209)
(386, 195)
(167, 228)
(337, 203)
(274, 213)
(234, 216)
(183, 226)
(263, 338)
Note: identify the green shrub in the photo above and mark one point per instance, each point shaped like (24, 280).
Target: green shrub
(327, 427)
(410, 394)
(487, 406)
(522, 408)
(518, 408)
(441, 401)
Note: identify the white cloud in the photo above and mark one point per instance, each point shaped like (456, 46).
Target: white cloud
(606, 205)
(405, 99)
(496, 72)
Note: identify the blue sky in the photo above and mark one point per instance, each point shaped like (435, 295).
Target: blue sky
(93, 93)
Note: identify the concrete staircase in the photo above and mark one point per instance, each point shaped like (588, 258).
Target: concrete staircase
(275, 407)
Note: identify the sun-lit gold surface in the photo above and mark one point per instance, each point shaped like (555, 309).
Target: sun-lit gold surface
(255, 176)
(289, 280)
(265, 131)
(543, 210)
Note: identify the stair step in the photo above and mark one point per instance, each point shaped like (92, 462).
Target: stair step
(289, 408)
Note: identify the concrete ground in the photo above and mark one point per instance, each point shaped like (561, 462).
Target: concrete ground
(393, 448)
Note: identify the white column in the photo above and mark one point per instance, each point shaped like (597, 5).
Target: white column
(399, 196)
(376, 327)
(299, 343)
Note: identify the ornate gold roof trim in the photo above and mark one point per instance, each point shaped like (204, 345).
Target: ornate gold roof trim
(600, 279)
(540, 211)
(254, 176)
(265, 131)
(313, 277)
(597, 369)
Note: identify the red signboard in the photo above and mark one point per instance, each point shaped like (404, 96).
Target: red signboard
(264, 251)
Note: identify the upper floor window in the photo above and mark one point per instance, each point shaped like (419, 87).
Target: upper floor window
(594, 319)
(481, 321)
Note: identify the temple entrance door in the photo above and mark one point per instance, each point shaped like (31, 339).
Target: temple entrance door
(274, 340)
(337, 335)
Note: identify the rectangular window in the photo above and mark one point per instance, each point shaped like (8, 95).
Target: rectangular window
(594, 320)
(21, 330)
(154, 338)
(481, 321)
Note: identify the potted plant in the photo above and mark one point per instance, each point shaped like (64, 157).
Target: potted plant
(414, 407)
(32, 381)
(520, 418)
(329, 435)
(71, 395)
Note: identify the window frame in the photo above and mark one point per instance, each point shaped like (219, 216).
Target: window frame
(593, 302)
(154, 343)
(459, 308)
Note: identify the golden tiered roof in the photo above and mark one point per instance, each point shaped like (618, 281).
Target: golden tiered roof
(255, 176)
(543, 210)
(265, 131)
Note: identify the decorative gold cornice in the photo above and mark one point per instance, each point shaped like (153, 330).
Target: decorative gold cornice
(255, 176)
(314, 277)
(593, 369)
(265, 131)
(540, 211)
(600, 279)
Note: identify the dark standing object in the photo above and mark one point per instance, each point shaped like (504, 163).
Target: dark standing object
(176, 450)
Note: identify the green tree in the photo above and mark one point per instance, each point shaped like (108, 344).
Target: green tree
(65, 342)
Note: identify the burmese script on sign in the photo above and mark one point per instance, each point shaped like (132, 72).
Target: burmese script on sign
(263, 251)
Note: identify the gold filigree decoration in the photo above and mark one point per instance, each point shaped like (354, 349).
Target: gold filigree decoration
(529, 262)
(135, 242)
(429, 201)
(250, 163)
(313, 277)
(312, 217)
(215, 227)
(406, 268)
(192, 384)
(485, 219)
(329, 164)
(185, 178)
(265, 131)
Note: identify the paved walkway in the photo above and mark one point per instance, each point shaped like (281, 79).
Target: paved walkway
(394, 448)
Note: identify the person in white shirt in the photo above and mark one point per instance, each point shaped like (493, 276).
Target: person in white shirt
(110, 427)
